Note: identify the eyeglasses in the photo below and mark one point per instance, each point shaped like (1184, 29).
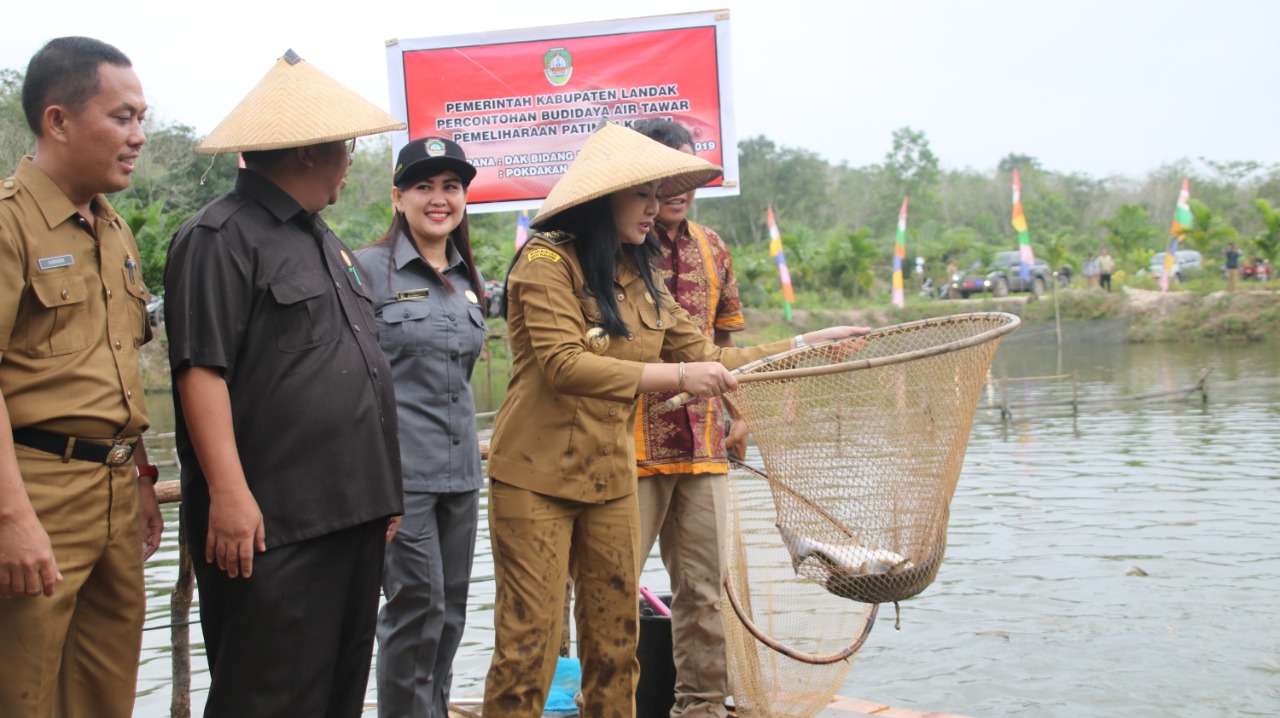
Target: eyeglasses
(350, 145)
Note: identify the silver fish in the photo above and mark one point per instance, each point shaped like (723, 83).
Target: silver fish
(843, 559)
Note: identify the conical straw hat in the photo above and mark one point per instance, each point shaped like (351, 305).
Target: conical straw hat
(293, 106)
(616, 158)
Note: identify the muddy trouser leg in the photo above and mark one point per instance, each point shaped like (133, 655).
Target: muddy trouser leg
(605, 565)
(530, 535)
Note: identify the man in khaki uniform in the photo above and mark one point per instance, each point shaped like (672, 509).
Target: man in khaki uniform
(72, 316)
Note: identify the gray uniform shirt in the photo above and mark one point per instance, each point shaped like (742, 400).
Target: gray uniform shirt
(432, 343)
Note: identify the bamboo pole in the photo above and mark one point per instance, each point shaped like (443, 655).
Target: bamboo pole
(179, 631)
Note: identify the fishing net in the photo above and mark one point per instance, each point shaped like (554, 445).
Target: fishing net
(862, 450)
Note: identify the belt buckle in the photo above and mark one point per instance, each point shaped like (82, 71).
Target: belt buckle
(118, 454)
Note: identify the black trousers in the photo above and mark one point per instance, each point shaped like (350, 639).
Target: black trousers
(295, 639)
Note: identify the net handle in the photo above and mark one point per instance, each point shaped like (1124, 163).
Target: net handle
(819, 660)
(1011, 322)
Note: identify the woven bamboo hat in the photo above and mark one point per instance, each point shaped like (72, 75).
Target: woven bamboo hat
(616, 158)
(296, 105)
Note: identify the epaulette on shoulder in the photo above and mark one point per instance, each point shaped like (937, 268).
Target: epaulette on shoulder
(217, 214)
(8, 187)
(556, 236)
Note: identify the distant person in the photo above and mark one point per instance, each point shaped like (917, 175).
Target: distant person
(286, 416)
(78, 511)
(682, 455)
(1089, 270)
(427, 298)
(1106, 267)
(1233, 267)
(1064, 275)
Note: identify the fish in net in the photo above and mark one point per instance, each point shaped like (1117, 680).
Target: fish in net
(862, 442)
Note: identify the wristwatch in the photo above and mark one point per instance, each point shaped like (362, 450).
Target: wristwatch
(150, 471)
(799, 340)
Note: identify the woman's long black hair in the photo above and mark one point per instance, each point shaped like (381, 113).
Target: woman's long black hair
(595, 237)
(460, 236)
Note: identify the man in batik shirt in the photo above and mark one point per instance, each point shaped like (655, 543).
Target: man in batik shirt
(682, 466)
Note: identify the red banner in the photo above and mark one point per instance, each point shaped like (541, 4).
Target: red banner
(522, 104)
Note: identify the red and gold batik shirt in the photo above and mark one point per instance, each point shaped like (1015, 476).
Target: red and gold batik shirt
(698, 270)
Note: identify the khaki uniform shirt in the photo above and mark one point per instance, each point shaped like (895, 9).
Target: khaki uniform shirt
(72, 313)
(566, 426)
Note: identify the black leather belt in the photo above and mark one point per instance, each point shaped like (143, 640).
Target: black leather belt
(69, 447)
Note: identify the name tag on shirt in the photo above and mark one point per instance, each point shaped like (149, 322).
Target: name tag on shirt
(413, 294)
(47, 263)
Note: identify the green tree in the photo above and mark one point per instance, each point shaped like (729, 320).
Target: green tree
(845, 262)
(1020, 162)
(152, 229)
(1129, 231)
(1267, 242)
(910, 170)
(1209, 230)
(16, 139)
(795, 182)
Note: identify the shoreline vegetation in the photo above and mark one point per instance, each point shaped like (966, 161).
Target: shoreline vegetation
(1148, 316)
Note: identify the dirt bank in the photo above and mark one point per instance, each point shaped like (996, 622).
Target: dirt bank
(1150, 316)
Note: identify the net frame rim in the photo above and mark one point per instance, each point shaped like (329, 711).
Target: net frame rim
(758, 370)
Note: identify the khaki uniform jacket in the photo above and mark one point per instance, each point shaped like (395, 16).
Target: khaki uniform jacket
(566, 427)
(72, 313)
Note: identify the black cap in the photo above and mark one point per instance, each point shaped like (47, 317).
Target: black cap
(427, 156)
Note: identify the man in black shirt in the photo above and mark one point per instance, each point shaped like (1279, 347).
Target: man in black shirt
(286, 417)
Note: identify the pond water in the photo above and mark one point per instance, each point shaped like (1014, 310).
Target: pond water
(1122, 561)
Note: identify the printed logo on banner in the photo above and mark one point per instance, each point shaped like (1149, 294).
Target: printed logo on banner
(557, 65)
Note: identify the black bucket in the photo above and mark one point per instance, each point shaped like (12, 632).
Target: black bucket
(656, 690)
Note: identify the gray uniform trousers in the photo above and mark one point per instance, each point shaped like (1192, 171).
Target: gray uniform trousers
(426, 579)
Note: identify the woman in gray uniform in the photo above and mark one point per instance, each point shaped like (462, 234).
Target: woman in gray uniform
(431, 327)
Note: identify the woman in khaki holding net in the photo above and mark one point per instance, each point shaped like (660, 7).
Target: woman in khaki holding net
(590, 328)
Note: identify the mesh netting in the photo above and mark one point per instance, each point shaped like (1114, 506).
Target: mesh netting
(862, 452)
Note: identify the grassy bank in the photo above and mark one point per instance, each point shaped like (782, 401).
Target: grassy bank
(1150, 316)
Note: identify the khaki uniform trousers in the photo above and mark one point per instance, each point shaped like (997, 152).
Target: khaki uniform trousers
(75, 654)
(687, 514)
(537, 542)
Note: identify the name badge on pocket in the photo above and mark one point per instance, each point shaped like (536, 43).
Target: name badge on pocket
(413, 294)
(47, 263)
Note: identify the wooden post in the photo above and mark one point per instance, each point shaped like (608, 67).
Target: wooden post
(180, 631)
(1075, 408)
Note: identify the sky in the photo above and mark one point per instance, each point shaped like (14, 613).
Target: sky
(1100, 87)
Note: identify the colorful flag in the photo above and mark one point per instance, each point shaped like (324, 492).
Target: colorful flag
(1020, 224)
(900, 253)
(1182, 221)
(522, 229)
(775, 251)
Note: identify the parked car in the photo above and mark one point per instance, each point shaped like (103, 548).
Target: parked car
(155, 310)
(1002, 276)
(1187, 262)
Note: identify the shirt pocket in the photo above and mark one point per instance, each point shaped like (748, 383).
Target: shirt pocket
(404, 327)
(654, 323)
(305, 316)
(138, 296)
(59, 321)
